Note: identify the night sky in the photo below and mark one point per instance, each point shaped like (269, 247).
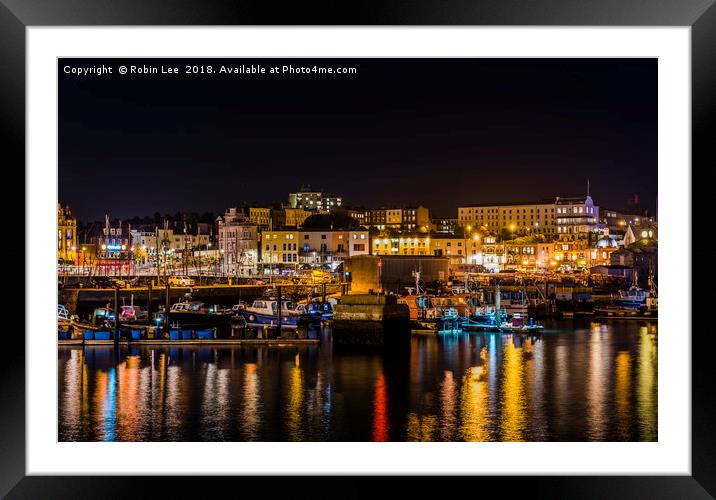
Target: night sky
(438, 132)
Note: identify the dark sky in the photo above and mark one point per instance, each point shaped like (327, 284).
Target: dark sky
(440, 132)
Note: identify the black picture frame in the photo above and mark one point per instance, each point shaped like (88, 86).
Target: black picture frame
(16, 15)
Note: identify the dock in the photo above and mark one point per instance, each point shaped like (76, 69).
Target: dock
(190, 342)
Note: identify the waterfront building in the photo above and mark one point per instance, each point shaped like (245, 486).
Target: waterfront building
(238, 243)
(330, 248)
(309, 199)
(494, 254)
(279, 250)
(403, 244)
(577, 216)
(572, 253)
(148, 241)
(459, 248)
(66, 235)
(112, 245)
(510, 219)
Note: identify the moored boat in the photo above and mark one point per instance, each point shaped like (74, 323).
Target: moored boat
(263, 312)
(634, 303)
(198, 313)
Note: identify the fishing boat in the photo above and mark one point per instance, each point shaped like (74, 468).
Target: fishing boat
(263, 312)
(634, 303)
(428, 312)
(190, 312)
(480, 313)
(517, 324)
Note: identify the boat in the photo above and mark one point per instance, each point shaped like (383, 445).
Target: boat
(103, 316)
(516, 324)
(634, 303)
(318, 311)
(62, 313)
(133, 313)
(428, 312)
(262, 312)
(191, 312)
(480, 313)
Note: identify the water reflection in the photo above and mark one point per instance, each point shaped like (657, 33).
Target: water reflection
(596, 382)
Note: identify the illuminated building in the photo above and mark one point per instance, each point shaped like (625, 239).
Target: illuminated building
(405, 244)
(572, 253)
(493, 254)
(412, 218)
(577, 215)
(238, 243)
(112, 244)
(149, 240)
(259, 216)
(534, 217)
(279, 249)
(460, 249)
(332, 247)
(66, 235)
(445, 225)
(294, 217)
(308, 199)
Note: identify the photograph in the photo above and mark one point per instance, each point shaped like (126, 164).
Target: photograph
(357, 249)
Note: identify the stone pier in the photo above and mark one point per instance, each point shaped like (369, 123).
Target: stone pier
(370, 319)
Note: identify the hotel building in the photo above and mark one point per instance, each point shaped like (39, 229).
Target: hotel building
(529, 217)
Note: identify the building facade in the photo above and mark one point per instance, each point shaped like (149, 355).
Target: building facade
(259, 216)
(405, 244)
(294, 217)
(66, 235)
(238, 243)
(516, 218)
(577, 216)
(460, 249)
(150, 241)
(279, 250)
(309, 199)
(332, 247)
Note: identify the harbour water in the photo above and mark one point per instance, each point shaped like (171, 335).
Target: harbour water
(580, 380)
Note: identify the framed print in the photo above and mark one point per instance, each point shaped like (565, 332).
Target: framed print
(416, 242)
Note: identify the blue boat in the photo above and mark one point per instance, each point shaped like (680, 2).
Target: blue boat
(318, 311)
(263, 313)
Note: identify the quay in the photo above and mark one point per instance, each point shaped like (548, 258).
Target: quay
(368, 318)
(191, 342)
